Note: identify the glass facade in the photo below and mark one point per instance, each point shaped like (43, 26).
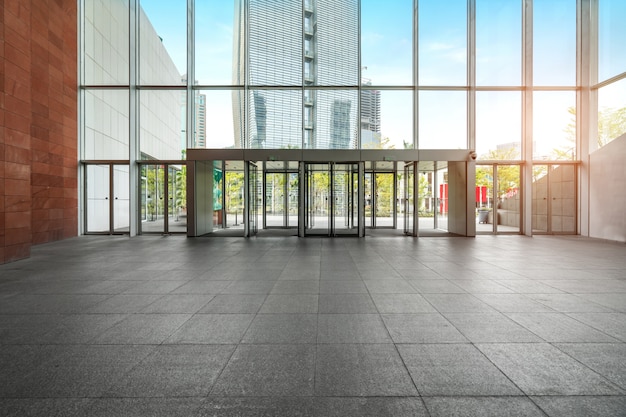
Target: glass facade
(502, 78)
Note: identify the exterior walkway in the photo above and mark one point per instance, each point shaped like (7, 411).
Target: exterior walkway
(163, 326)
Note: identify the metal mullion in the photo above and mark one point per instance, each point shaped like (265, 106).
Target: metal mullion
(285, 200)
(111, 204)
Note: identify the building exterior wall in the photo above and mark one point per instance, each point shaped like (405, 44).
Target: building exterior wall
(38, 124)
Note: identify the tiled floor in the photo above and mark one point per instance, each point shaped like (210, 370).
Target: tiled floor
(167, 326)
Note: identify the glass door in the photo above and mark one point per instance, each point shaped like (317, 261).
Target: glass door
(384, 200)
(409, 200)
(280, 199)
(343, 201)
(317, 199)
(108, 198)
(254, 198)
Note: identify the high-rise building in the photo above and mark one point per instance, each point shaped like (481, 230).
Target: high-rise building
(279, 55)
(370, 117)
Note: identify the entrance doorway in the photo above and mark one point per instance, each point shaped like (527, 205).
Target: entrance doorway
(331, 199)
(107, 198)
(554, 199)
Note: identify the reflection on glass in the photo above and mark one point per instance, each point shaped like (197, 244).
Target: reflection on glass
(386, 119)
(498, 42)
(335, 120)
(442, 120)
(554, 125)
(162, 42)
(106, 124)
(336, 39)
(498, 125)
(274, 119)
(178, 199)
(611, 38)
(387, 42)
(162, 124)
(611, 112)
(107, 31)
(443, 42)
(274, 49)
(554, 42)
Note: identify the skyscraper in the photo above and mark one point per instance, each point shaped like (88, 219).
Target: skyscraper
(310, 48)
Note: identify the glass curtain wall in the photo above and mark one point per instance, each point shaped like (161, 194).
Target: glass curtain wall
(158, 78)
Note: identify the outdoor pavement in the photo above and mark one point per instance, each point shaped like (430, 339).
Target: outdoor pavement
(287, 326)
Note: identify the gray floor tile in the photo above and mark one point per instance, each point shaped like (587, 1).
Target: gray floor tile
(581, 406)
(123, 303)
(454, 370)
(234, 303)
(212, 329)
(155, 287)
(144, 407)
(513, 303)
(80, 328)
(282, 329)
(613, 324)
(421, 328)
(178, 303)
(402, 303)
(139, 329)
(296, 287)
(483, 286)
(541, 369)
(342, 287)
(249, 287)
(262, 370)
(293, 303)
(558, 327)
(257, 406)
(482, 406)
(174, 371)
(202, 287)
(369, 407)
(607, 359)
(490, 328)
(351, 328)
(361, 370)
(49, 407)
(346, 303)
(458, 303)
(388, 286)
(436, 286)
(568, 303)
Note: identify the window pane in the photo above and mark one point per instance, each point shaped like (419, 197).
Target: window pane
(611, 112)
(442, 120)
(215, 108)
(219, 39)
(162, 124)
(106, 124)
(387, 42)
(386, 119)
(335, 115)
(275, 42)
(106, 42)
(163, 42)
(336, 37)
(498, 125)
(554, 125)
(554, 42)
(274, 119)
(611, 38)
(498, 42)
(443, 42)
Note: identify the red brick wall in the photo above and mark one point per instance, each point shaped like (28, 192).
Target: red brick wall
(38, 124)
